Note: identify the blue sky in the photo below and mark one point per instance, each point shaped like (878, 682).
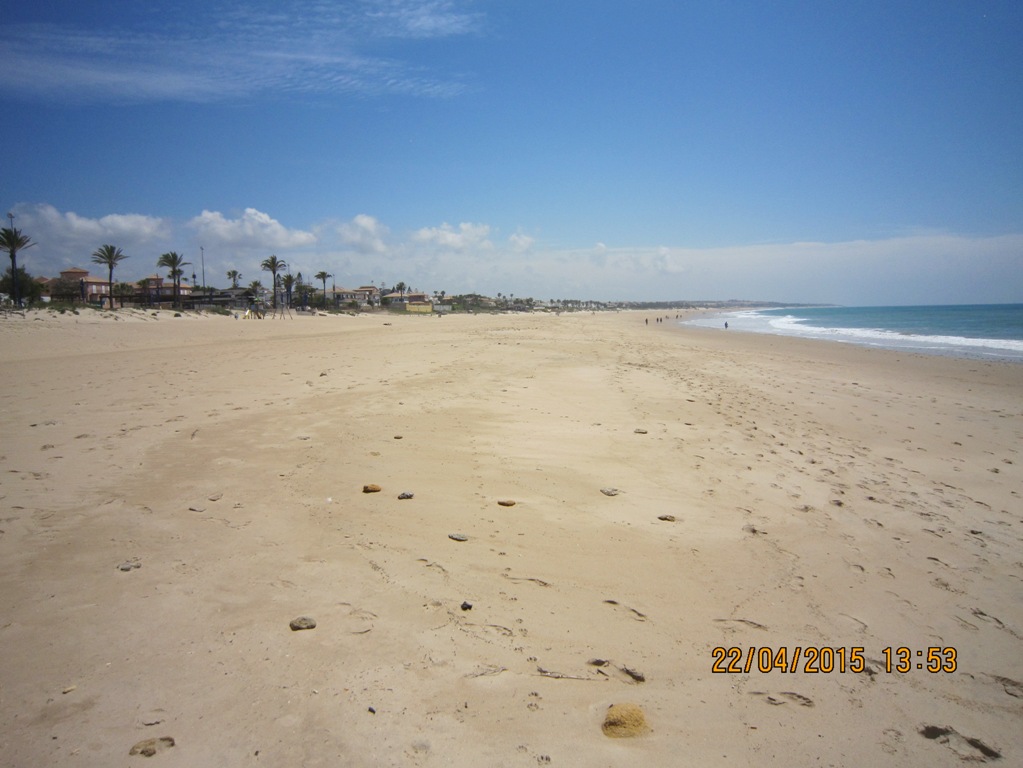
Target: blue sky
(863, 152)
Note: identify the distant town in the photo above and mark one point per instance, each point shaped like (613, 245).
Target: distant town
(77, 286)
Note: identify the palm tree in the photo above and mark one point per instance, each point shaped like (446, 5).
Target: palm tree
(400, 287)
(109, 256)
(176, 264)
(12, 241)
(122, 289)
(288, 281)
(322, 276)
(234, 276)
(273, 265)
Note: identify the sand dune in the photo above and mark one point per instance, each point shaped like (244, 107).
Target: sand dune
(174, 491)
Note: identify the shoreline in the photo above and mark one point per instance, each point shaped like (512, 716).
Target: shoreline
(965, 347)
(819, 495)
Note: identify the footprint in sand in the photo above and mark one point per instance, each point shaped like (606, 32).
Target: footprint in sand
(1012, 687)
(892, 743)
(965, 747)
(784, 697)
(635, 614)
(993, 620)
(359, 620)
(747, 622)
(860, 626)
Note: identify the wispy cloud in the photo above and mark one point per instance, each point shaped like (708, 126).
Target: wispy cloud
(441, 18)
(242, 49)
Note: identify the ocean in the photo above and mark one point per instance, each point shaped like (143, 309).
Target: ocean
(979, 331)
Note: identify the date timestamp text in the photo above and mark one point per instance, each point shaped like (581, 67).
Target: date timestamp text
(825, 659)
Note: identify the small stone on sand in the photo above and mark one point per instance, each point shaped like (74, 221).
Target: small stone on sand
(610, 491)
(150, 747)
(458, 537)
(624, 721)
(371, 488)
(506, 503)
(405, 495)
(666, 518)
(639, 431)
(302, 622)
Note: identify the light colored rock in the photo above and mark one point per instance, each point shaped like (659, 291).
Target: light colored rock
(149, 747)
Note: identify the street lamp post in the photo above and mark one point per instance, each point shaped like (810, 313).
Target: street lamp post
(202, 254)
(14, 271)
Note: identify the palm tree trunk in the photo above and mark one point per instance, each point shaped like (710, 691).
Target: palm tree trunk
(14, 278)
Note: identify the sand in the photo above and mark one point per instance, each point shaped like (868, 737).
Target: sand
(174, 492)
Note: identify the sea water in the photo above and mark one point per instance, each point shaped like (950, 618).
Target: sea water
(984, 331)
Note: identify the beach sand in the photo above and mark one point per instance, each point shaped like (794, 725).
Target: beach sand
(175, 491)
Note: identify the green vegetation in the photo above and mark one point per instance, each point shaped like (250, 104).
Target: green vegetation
(273, 265)
(27, 288)
(12, 241)
(175, 264)
(109, 256)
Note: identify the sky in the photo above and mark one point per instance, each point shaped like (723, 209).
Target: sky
(862, 152)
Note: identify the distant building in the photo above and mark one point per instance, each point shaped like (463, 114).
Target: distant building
(91, 288)
(409, 297)
(157, 289)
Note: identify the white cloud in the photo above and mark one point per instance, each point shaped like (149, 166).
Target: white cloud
(520, 242)
(254, 229)
(929, 268)
(70, 229)
(447, 237)
(364, 234)
(65, 239)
